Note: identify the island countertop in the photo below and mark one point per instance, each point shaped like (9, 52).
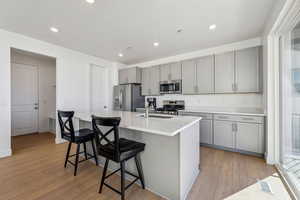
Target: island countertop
(135, 121)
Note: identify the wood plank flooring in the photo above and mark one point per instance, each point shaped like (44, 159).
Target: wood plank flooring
(36, 172)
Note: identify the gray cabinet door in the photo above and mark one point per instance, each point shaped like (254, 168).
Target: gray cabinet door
(224, 72)
(223, 134)
(165, 72)
(205, 75)
(175, 70)
(249, 137)
(145, 81)
(247, 70)
(206, 133)
(154, 80)
(189, 77)
(123, 76)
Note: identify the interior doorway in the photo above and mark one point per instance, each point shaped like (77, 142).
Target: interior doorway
(33, 96)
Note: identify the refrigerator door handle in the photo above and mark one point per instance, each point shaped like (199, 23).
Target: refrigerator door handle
(121, 99)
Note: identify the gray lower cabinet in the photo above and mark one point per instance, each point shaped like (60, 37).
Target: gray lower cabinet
(250, 137)
(206, 131)
(223, 134)
(232, 132)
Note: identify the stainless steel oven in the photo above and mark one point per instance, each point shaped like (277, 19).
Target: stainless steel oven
(173, 87)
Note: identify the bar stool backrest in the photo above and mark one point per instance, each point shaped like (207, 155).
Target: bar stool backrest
(102, 138)
(66, 124)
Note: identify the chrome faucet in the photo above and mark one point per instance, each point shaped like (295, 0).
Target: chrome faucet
(147, 111)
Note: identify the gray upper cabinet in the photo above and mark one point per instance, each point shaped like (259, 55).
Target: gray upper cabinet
(145, 81)
(189, 80)
(247, 65)
(150, 81)
(165, 72)
(130, 75)
(205, 75)
(170, 72)
(224, 73)
(175, 69)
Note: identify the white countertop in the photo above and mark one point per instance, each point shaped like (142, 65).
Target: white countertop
(229, 111)
(133, 121)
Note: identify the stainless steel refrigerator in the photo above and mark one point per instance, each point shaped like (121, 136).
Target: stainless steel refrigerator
(128, 97)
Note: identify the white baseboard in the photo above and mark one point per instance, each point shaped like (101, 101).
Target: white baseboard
(5, 153)
(59, 141)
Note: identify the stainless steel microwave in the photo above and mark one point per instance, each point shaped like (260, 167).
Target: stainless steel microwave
(173, 87)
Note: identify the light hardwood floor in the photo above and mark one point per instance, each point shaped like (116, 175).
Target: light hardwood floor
(35, 171)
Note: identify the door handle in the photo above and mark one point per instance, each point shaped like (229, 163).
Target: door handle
(36, 108)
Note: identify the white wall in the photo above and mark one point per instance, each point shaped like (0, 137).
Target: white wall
(46, 84)
(72, 74)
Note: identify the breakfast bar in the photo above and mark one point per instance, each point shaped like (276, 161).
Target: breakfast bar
(171, 158)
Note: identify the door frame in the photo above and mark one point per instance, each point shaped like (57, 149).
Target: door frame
(286, 21)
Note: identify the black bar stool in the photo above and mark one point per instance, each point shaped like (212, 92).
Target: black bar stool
(119, 150)
(78, 137)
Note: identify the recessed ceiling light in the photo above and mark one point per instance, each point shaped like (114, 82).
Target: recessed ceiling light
(156, 44)
(120, 55)
(212, 27)
(53, 29)
(90, 1)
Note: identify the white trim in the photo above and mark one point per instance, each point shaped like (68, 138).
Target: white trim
(59, 140)
(285, 20)
(5, 153)
(203, 52)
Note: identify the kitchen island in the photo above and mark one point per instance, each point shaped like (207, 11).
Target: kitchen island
(171, 159)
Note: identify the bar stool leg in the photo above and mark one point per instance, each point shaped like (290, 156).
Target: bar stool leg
(94, 151)
(122, 180)
(76, 161)
(68, 153)
(140, 170)
(103, 175)
(85, 154)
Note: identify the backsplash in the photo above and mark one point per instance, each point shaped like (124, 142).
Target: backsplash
(216, 100)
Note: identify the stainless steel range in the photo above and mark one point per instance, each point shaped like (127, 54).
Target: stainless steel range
(171, 107)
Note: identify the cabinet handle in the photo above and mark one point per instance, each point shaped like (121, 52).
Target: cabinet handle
(236, 87)
(232, 127)
(169, 77)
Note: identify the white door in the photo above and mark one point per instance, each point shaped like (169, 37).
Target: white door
(98, 89)
(24, 99)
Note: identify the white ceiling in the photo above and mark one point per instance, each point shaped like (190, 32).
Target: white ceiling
(108, 27)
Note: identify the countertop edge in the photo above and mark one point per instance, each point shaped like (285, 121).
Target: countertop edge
(223, 112)
(167, 134)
